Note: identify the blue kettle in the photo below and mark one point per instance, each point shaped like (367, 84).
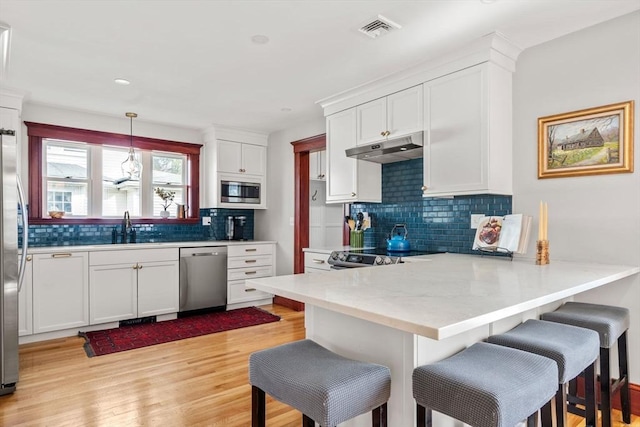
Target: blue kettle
(398, 240)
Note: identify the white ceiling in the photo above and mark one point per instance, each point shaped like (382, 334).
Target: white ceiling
(192, 63)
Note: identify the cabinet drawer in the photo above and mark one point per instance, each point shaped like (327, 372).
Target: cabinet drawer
(249, 273)
(316, 260)
(133, 256)
(237, 292)
(250, 261)
(250, 250)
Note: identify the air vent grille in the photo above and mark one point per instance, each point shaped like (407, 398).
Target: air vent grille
(379, 27)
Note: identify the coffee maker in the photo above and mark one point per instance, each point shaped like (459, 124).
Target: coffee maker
(234, 227)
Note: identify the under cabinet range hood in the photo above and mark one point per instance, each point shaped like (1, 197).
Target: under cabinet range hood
(389, 151)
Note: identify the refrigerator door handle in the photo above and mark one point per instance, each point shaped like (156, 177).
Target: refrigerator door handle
(25, 233)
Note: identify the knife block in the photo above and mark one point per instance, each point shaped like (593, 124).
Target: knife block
(356, 239)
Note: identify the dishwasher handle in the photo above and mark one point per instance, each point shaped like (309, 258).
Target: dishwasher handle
(206, 254)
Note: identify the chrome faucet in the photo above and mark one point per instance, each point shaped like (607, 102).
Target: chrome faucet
(126, 226)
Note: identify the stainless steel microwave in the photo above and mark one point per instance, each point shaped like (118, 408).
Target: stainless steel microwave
(240, 192)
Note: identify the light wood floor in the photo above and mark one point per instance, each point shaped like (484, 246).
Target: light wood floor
(194, 382)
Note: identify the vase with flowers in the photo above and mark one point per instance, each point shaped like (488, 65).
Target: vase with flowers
(167, 198)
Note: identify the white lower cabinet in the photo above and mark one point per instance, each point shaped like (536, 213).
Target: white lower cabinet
(133, 283)
(316, 262)
(248, 262)
(60, 291)
(25, 300)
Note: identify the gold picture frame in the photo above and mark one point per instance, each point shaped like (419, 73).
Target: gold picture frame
(587, 142)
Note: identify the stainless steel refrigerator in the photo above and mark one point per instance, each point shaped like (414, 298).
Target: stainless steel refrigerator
(11, 273)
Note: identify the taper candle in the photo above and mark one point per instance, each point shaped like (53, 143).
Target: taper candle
(540, 222)
(546, 222)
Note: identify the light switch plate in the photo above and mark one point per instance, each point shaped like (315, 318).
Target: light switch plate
(206, 220)
(475, 220)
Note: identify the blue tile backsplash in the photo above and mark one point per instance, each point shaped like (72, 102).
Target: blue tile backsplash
(434, 224)
(95, 234)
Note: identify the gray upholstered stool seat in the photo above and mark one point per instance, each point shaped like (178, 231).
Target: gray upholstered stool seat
(574, 349)
(611, 324)
(324, 386)
(486, 385)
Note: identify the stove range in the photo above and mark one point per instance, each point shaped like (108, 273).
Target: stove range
(369, 258)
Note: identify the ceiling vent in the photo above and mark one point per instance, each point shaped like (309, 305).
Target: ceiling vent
(379, 27)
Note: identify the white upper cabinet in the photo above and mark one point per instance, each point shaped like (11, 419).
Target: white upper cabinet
(240, 158)
(318, 165)
(349, 180)
(467, 119)
(234, 156)
(395, 115)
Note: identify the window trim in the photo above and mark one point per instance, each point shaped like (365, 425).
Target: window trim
(38, 131)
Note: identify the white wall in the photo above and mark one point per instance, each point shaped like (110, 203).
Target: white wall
(274, 223)
(593, 218)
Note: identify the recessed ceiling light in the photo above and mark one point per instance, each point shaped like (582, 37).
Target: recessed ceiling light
(487, 1)
(260, 39)
(123, 82)
(285, 109)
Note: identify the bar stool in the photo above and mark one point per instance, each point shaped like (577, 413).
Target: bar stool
(487, 385)
(611, 323)
(574, 349)
(324, 386)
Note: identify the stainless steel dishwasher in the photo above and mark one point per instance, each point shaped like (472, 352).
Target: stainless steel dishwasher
(203, 277)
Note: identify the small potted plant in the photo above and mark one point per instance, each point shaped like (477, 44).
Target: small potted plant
(167, 198)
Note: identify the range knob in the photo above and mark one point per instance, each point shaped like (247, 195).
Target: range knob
(334, 255)
(387, 260)
(378, 260)
(342, 256)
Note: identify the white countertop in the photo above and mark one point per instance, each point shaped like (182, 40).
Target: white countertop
(121, 246)
(447, 296)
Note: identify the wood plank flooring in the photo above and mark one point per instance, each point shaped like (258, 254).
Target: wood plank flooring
(199, 381)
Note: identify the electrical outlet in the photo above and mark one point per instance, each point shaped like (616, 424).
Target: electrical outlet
(206, 220)
(475, 220)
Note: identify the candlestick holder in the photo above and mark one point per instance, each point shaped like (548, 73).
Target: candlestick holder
(542, 252)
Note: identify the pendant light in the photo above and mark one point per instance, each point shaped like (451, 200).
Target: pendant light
(131, 167)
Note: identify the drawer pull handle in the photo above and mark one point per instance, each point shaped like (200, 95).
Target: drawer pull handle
(250, 261)
(65, 255)
(250, 289)
(318, 261)
(29, 257)
(251, 250)
(250, 272)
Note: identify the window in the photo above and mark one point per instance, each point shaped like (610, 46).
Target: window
(81, 175)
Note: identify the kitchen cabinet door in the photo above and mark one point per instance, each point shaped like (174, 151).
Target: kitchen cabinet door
(317, 165)
(158, 290)
(468, 133)
(229, 156)
(60, 291)
(254, 159)
(371, 120)
(405, 112)
(349, 180)
(25, 301)
(113, 290)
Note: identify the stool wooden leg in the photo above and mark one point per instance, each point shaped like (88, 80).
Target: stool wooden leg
(258, 407)
(605, 387)
(379, 416)
(424, 416)
(623, 367)
(546, 414)
(561, 405)
(591, 405)
(307, 422)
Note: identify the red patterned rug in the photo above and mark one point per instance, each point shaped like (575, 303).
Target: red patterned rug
(125, 338)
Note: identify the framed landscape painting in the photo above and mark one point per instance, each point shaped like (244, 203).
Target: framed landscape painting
(586, 142)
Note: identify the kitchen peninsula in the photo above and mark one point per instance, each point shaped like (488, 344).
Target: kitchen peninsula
(407, 315)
